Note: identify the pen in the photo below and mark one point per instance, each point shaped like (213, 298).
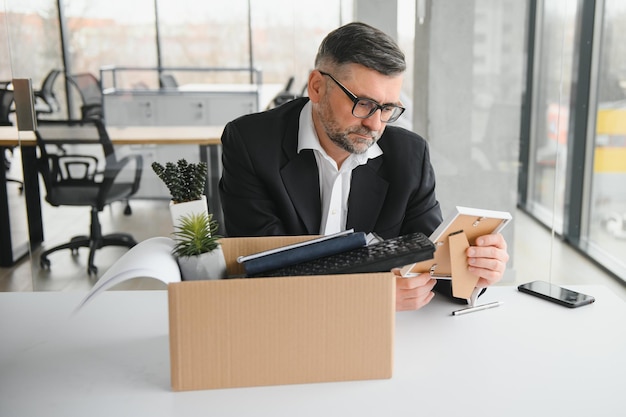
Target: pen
(477, 308)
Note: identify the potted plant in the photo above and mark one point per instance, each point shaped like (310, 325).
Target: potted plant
(185, 182)
(197, 247)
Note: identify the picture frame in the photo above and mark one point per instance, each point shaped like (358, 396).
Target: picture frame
(472, 222)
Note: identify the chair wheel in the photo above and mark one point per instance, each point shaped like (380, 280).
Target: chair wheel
(92, 270)
(127, 210)
(74, 251)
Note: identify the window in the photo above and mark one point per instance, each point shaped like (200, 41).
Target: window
(606, 236)
(554, 54)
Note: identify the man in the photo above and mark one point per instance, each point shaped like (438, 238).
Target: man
(330, 162)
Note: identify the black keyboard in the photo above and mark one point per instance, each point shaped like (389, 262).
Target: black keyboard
(378, 257)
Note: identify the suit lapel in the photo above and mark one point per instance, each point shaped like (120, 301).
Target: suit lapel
(367, 193)
(301, 180)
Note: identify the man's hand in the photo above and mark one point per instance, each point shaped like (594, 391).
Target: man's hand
(488, 259)
(413, 293)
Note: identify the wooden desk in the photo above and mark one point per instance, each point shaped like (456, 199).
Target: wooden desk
(527, 357)
(175, 135)
(9, 137)
(208, 138)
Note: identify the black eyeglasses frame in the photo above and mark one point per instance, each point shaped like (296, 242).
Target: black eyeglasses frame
(375, 106)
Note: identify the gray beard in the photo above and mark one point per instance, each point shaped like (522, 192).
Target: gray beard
(342, 140)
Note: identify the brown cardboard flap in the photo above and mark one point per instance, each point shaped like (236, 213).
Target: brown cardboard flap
(464, 281)
(269, 331)
(235, 247)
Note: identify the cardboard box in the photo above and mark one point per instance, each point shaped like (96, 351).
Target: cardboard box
(273, 331)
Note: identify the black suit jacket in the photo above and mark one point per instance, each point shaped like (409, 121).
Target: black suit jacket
(267, 188)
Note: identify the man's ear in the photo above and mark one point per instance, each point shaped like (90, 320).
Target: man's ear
(315, 86)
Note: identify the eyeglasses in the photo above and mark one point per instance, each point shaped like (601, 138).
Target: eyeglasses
(365, 107)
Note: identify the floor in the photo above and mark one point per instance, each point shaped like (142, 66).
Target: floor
(67, 273)
(536, 253)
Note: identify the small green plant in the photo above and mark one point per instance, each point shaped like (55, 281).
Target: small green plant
(185, 181)
(195, 235)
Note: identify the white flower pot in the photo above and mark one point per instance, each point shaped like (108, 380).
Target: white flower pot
(180, 209)
(211, 265)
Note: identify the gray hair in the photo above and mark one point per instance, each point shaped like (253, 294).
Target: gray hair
(359, 43)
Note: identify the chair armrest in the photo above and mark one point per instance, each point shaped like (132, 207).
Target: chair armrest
(41, 104)
(119, 166)
(138, 168)
(75, 167)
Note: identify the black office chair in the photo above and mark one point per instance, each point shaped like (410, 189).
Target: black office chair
(6, 108)
(283, 96)
(86, 173)
(47, 102)
(168, 81)
(90, 92)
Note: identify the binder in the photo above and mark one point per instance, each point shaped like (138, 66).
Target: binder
(307, 251)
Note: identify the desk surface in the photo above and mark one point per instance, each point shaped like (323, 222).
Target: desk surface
(133, 135)
(527, 357)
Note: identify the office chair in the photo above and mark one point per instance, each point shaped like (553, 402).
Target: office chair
(6, 102)
(283, 96)
(90, 92)
(78, 178)
(48, 100)
(168, 81)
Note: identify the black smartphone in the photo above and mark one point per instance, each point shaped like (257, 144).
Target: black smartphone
(554, 293)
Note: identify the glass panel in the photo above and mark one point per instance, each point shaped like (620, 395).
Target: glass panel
(207, 34)
(35, 54)
(474, 91)
(105, 33)
(286, 39)
(31, 23)
(607, 221)
(550, 111)
(214, 34)
(27, 50)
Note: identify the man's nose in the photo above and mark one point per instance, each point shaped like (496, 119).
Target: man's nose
(373, 122)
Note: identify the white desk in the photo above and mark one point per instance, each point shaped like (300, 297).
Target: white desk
(525, 358)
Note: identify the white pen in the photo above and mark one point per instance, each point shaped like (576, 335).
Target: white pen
(477, 308)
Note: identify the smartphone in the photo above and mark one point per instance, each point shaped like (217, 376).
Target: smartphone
(556, 294)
